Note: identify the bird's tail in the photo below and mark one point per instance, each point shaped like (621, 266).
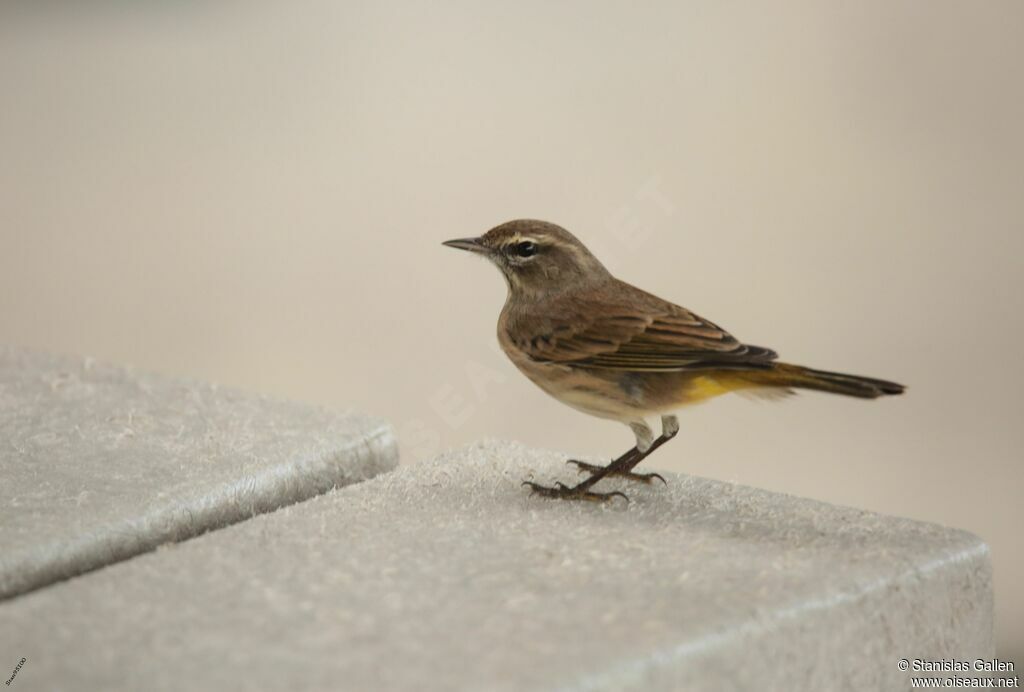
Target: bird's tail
(798, 377)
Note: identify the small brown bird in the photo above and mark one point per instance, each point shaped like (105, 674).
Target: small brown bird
(609, 349)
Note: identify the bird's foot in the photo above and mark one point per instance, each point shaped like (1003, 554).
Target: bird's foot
(562, 491)
(594, 468)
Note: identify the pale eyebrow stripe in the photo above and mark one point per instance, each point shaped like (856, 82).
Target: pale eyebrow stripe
(520, 238)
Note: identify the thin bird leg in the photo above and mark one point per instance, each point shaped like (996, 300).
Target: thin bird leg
(620, 467)
(631, 475)
(595, 468)
(612, 468)
(627, 466)
(581, 491)
(623, 466)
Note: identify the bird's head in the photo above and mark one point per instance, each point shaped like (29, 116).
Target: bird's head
(537, 258)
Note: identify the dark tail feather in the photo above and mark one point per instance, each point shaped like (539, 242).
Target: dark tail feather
(799, 377)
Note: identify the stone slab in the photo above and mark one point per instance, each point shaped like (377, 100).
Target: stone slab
(99, 463)
(447, 575)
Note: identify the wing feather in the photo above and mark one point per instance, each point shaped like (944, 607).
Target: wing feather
(620, 327)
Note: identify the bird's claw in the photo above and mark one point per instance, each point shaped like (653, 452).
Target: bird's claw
(562, 491)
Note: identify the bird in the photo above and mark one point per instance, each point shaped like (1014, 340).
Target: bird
(611, 350)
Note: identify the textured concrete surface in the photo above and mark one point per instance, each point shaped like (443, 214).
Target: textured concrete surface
(100, 463)
(449, 575)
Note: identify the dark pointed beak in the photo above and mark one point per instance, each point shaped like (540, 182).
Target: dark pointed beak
(471, 244)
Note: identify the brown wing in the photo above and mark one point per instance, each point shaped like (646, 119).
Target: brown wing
(620, 327)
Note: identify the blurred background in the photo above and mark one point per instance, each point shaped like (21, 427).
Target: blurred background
(255, 193)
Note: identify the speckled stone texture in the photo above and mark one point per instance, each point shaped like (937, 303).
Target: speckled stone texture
(100, 463)
(448, 575)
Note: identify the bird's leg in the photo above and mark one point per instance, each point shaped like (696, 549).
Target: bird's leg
(623, 466)
(669, 429)
(594, 469)
(582, 491)
(618, 467)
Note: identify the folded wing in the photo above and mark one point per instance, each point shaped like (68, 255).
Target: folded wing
(620, 327)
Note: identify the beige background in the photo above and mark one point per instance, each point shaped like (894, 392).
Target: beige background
(255, 193)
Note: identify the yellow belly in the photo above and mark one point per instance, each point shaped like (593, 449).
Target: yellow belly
(702, 387)
(602, 393)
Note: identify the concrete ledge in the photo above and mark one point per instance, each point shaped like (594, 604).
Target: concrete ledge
(448, 575)
(101, 463)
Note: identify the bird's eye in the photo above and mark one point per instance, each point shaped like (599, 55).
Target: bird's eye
(525, 249)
